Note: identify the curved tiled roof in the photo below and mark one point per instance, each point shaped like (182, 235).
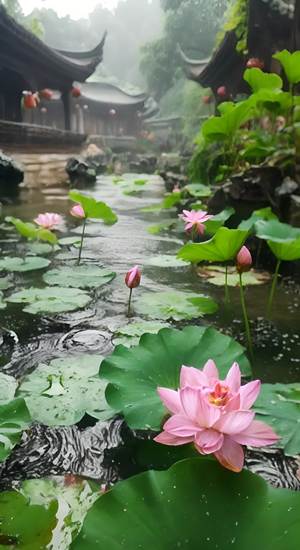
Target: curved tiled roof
(109, 94)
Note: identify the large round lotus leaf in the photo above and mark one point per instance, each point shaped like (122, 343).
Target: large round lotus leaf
(165, 260)
(174, 305)
(283, 239)
(5, 283)
(136, 373)
(196, 504)
(42, 248)
(23, 525)
(29, 263)
(215, 274)
(130, 334)
(279, 406)
(198, 190)
(14, 419)
(94, 209)
(8, 386)
(50, 299)
(59, 394)
(223, 247)
(79, 276)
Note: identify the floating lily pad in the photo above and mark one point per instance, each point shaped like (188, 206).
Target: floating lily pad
(279, 406)
(5, 283)
(50, 299)
(14, 419)
(8, 386)
(198, 190)
(69, 241)
(165, 260)
(28, 263)
(23, 525)
(174, 305)
(215, 274)
(2, 302)
(224, 246)
(61, 393)
(130, 334)
(42, 248)
(79, 276)
(163, 226)
(169, 201)
(196, 504)
(136, 373)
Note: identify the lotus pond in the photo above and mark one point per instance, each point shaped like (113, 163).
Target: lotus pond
(79, 407)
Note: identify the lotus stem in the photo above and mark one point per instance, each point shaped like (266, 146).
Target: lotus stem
(246, 319)
(129, 303)
(81, 242)
(227, 297)
(273, 289)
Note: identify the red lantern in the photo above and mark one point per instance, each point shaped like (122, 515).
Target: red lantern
(222, 91)
(207, 99)
(30, 100)
(46, 94)
(255, 63)
(76, 91)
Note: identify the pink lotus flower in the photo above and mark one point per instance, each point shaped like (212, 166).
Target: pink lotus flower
(214, 415)
(243, 260)
(48, 220)
(77, 212)
(195, 219)
(133, 277)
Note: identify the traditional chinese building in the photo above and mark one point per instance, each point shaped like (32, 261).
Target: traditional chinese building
(267, 27)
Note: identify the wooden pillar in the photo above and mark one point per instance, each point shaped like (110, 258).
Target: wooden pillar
(65, 97)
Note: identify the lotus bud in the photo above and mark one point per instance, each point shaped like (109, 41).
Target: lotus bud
(243, 260)
(78, 212)
(133, 277)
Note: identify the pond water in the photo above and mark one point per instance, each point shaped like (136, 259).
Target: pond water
(119, 247)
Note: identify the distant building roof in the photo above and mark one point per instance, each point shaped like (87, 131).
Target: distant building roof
(109, 94)
(22, 51)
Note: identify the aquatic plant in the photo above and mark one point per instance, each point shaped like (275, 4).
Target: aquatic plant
(244, 264)
(49, 220)
(132, 280)
(195, 221)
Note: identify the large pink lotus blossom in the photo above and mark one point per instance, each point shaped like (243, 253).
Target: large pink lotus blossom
(48, 220)
(195, 219)
(214, 415)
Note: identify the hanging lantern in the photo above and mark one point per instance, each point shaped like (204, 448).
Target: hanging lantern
(46, 94)
(255, 63)
(207, 99)
(29, 100)
(76, 91)
(85, 107)
(44, 110)
(139, 114)
(112, 112)
(222, 91)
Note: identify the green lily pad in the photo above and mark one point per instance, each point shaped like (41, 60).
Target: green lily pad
(28, 263)
(212, 225)
(224, 246)
(136, 373)
(130, 334)
(5, 283)
(279, 406)
(215, 274)
(165, 260)
(283, 239)
(163, 226)
(169, 201)
(8, 386)
(69, 241)
(61, 393)
(198, 190)
(24, 525)
(79, 276)
(196, 504)
(42, 248)
(174, 305)
(14, 419)
(50, 299)
(264, 214)
(94, 209)
(2, 302)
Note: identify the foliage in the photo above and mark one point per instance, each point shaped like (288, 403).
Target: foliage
(94, 209)
(223, 246)
(28, 263)
(85, 276)
(50, 299)
(212, 225)
(134, 374)
(14, 419)
(215, 275)
(61, 393)
(283, 239)
(165, 260)
(129, 335)
(31, 231)
(291, 65)
(236, 19)
(174, 305)
(8, 386)
(258, 80)
(261, 214)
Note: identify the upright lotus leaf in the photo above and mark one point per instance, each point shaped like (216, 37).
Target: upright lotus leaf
(223, 246)
(226, 107)
(273, 100)
(23, 525)
(258, 80)
(212, 225)
(50, 299)
(196, 504)
(198, 190)
(2, 302)
(170, 200)
(94, 209)
(279, 406)
(282, 238)
(8, 386)
(174, 305)
(14, 419)
(225, 126)
(264, 214)
(291, 65)
(31, 231)
(27, 263)
(136, 373)
(61, 393)
(79, 276)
